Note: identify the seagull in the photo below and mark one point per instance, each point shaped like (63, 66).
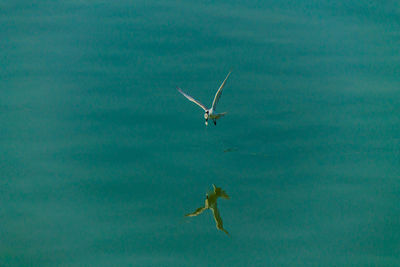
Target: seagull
(209, 113)
(211, 203)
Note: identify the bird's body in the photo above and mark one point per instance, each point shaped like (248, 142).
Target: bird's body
(211, 203)
(209, 113)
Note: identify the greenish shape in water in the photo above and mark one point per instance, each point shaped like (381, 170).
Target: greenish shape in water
(211, 203)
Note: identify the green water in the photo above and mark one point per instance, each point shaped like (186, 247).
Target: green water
(101, 157)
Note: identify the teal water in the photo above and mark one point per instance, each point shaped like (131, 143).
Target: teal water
(101, 157)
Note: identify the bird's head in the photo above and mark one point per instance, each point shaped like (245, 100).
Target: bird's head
(206, 117)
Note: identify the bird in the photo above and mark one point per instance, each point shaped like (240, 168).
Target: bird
(211, 203)
(209, 113)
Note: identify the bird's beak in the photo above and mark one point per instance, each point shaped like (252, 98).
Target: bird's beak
(206, 122)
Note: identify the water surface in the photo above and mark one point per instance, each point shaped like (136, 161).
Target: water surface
(101, 157)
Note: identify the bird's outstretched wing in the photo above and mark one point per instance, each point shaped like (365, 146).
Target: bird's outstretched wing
(219, 93)
(197, 212)
(218, 220)
(192, 99)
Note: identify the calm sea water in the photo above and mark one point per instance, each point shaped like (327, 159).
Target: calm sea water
(101, 157)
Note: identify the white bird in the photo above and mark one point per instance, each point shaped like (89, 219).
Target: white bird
(209, 113)
(211, 203)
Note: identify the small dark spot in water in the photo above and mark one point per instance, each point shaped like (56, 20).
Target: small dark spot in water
(231, 149)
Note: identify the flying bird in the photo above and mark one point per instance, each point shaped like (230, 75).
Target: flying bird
(211, 203)
(209, 113)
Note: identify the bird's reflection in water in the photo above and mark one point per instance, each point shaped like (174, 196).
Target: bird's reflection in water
(211, 203)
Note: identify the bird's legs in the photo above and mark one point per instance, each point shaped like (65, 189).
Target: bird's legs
(215, 122)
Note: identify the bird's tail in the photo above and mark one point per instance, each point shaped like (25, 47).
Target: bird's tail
(219, 115)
